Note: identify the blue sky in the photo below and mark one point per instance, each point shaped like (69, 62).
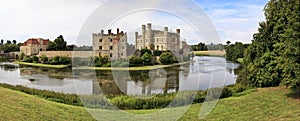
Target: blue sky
(235, 20)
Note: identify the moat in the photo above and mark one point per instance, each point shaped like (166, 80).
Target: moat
(202, 74)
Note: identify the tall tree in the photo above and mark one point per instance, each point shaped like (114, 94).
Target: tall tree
(273, 57)
(14, 42)
(61, 44)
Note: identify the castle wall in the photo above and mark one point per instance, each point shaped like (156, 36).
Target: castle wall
(81, 54)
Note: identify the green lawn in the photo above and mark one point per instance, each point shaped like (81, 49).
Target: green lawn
(41, 65)
(265, 104)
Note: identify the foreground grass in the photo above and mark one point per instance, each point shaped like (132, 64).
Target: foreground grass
(40, 64)
(217, 53)
(265, 104)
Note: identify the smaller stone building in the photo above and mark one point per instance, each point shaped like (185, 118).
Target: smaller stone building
(112, 45)
(34, 45)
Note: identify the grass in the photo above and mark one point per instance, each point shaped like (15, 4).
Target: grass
(276, 103)
(216, 53)
(40, 64)
(133, 68)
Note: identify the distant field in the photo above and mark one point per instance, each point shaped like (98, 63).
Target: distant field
(266, 104)
(218, 53)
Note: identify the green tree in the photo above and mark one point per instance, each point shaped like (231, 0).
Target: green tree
(61, 44)
(147, 58)
(51, 46)
(273, 57)
(21, 56)
(166, 58)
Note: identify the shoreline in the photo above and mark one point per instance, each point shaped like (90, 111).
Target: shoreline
(103, 68)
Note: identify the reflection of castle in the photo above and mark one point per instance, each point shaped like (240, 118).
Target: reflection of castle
(119, 83)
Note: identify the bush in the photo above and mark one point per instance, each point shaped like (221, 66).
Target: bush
(157, 53)
(28, 59)
(167, 58)
(64, 60)
(21, 56)
(147, 58)
(44, 59)
(35, 59)
(53, 62)
(143, 51)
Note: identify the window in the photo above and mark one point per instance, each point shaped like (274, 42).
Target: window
(110, 55)
(100, 47)
(111, 40)
(162, 47)
(121, 54)
(157, 47)
(111, 48)
(100, 40)
(99, 54)
(122, 47)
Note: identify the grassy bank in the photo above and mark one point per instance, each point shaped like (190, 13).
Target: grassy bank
(265, 104)
(216, 53)
(40, 64)
(128, 102)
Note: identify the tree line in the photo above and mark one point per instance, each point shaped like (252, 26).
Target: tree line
(273, 58)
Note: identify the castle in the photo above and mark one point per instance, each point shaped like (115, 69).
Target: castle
(160, 40)
(112, 45)
(34, 45)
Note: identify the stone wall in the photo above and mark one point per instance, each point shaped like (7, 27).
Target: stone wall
(81, 54)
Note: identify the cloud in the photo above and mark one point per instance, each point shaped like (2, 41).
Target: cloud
(77, 19)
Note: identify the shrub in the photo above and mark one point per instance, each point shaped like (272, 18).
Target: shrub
(143, 51)
(167, 58)
(35, 59)
(21, 56)
(64, 60)
(147, 58)
(28, 59)
(44, 59)
(157, 53)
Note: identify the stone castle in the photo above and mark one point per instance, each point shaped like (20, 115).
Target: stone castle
(112, 45)
(115, 45)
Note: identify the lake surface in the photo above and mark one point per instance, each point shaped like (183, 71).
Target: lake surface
(202, 74)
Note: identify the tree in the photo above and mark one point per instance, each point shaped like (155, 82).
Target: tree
(14, 42)
(8, 42)
(51, 46)
(147, 58)
(2, 41)
(61, 44)
(228, 42)
(273, 58)
(166, 58)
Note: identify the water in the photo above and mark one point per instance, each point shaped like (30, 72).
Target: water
(204, 73)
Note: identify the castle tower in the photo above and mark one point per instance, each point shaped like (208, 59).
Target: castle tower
(149, 37)
(143, 35)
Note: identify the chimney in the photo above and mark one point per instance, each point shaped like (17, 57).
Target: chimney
(109, 31)
(117, 31)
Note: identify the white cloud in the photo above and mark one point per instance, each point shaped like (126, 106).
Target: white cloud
(23, 19)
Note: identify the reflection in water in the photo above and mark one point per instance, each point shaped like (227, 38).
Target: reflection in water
(205, 72)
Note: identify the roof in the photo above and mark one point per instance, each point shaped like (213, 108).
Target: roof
(35, 41)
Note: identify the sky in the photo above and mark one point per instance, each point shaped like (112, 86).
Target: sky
(76, 20)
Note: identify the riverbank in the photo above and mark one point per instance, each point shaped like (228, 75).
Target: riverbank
(139, 68)
(215, 53)
(40, 65)
(276, 103)
(103, 68)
